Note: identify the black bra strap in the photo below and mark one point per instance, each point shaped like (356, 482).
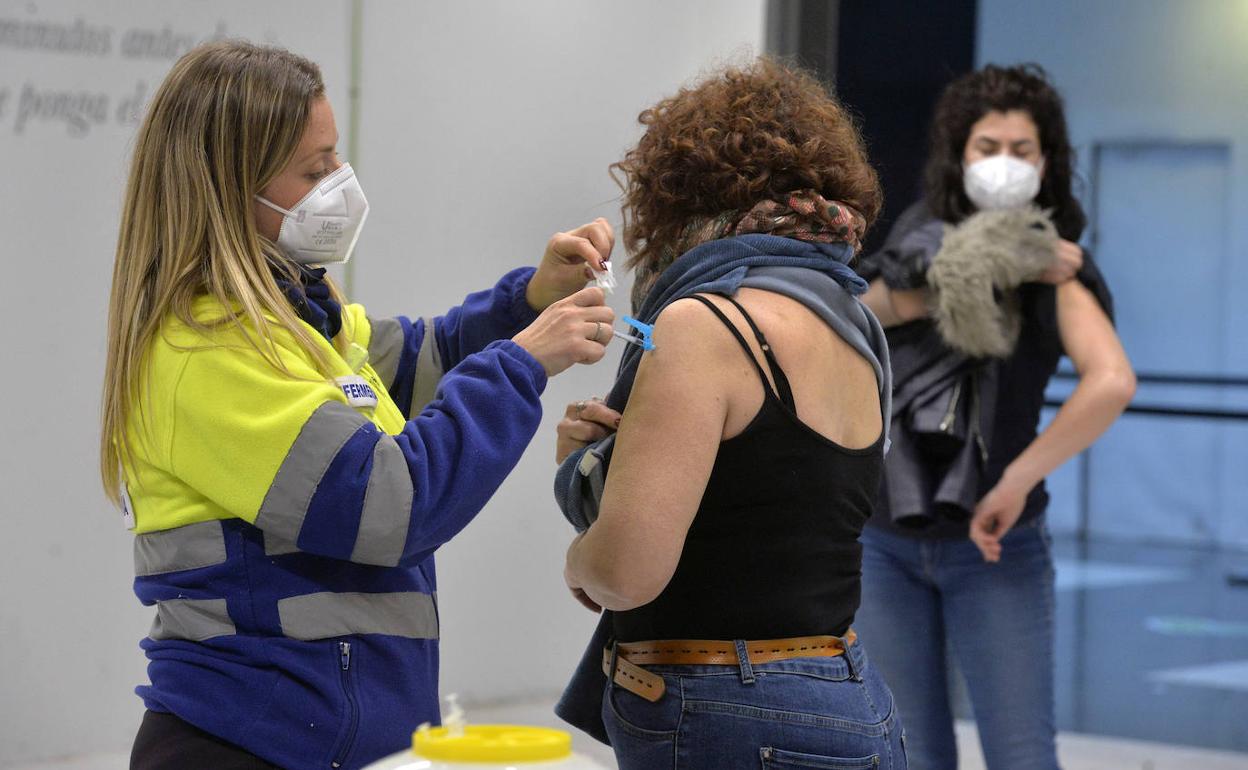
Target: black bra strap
(782, 382)
(785, 394)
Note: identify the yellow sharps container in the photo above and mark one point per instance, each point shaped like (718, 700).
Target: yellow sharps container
(492, 747)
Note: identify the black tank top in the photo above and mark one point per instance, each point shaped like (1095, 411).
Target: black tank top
(773, 551)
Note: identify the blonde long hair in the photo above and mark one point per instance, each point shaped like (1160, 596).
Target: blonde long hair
(223, 124)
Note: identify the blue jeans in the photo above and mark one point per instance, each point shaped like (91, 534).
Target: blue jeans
(926, 600)
(833, 713)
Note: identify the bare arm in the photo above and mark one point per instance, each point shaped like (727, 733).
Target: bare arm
(666, 447)
(895, 307)
(1106, 386)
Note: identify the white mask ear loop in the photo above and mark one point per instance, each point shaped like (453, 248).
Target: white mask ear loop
(278, 208)
(341, 170)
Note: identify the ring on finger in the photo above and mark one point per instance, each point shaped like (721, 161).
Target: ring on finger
(597, 330)
(579, 407)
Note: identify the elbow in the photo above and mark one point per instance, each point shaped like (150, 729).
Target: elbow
(620, 572)
(1117, 386)
(1124, 384)
(627, 592)
(631, 600)
(620, 585)
(1129, 387)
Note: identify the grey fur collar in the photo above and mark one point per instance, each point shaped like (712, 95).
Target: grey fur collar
(974, 276)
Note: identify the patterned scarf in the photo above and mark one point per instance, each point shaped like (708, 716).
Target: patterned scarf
(804, 215)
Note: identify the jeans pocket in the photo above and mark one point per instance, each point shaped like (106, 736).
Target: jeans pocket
(638, 729)
(780, 759)
(638, 717)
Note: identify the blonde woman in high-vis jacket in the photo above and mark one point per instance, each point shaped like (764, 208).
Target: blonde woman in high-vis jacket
(287, 463)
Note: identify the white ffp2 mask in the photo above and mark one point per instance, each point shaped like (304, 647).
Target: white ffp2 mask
(322, 228)
(1001, 182)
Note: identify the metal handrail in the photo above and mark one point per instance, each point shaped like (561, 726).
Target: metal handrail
(1153, 378)
(1171, 411)
(1157, 378)
(1152, 410)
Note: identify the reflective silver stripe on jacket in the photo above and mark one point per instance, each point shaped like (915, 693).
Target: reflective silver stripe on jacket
(387, 507)
(428, 370)
(191, 619)
(276, 546)
(189, 547)
(286, 503)
(409, 614)
(385, 347)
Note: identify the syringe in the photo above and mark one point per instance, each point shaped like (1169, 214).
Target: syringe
(645, 341)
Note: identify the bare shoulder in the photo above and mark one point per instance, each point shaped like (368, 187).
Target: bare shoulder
(688, 326)
(696, 359)
(683, 386)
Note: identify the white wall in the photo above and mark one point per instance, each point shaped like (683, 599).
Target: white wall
(69, 622)
(1172, 71)
(485, 126)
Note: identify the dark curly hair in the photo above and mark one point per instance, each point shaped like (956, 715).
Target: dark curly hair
(739, 136)
(1024, 87)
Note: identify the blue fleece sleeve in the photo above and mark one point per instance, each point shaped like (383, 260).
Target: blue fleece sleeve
(484, 317)
(395, 499)
(464, 444)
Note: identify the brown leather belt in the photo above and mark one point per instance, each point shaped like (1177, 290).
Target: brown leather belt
(631, 656)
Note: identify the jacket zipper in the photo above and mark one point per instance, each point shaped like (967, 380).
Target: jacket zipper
(344, 658)
(975, 426)
(946, 422)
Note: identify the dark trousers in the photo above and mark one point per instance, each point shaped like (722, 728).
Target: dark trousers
(165, 742)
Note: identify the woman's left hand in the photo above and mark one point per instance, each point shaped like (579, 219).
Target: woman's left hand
(583, 423)
(564, 269)
(995, 515)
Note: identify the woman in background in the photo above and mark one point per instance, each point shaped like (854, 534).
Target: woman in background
(971, 577)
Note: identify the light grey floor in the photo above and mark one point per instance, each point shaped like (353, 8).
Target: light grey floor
(1078, 752)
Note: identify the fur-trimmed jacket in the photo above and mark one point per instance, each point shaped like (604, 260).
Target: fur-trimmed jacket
(946, 367)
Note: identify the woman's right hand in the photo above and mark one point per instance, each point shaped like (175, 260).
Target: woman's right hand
(574, 330)
(1067, 262)
(584, 422)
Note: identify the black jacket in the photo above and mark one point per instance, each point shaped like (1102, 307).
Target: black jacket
(989, 407)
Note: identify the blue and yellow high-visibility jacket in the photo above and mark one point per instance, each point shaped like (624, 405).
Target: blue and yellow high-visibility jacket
(285, 523)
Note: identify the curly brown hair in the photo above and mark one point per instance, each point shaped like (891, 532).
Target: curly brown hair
(739, 136)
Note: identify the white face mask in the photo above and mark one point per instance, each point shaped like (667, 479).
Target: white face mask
(1001, 182)
(322, 228)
